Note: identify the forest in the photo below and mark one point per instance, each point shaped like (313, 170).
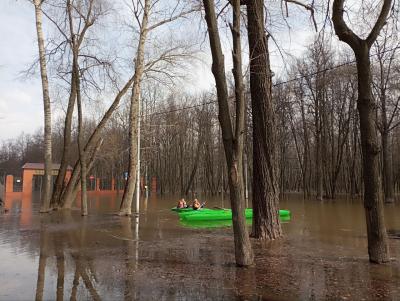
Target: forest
(117, 98)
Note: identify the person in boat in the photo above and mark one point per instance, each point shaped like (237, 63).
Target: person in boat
(181, 204)
(196, 204)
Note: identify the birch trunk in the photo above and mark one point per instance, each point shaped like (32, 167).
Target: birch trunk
(127, 198)
(45, 204)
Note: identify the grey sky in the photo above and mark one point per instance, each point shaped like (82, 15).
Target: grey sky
(20, 101)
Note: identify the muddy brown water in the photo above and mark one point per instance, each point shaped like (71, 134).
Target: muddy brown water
(323, 255)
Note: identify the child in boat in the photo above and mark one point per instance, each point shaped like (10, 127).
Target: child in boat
(181, 204)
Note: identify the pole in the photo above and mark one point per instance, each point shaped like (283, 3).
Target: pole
(138, 161)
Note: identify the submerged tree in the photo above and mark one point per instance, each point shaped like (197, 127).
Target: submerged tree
(233, 137)
(377, 237)
(45, 205)
(142, 13)
(126, 203)
(266, 223)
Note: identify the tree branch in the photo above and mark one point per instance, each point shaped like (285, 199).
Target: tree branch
(344, 33)
(307, 7)
(379, 23)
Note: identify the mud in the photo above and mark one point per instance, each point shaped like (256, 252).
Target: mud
(323, 255)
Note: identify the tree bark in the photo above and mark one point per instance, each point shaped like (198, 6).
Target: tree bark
(126, 203)
(266, 223)
(233, 145)
(378, 249)
(377, 237)
(45, 205)
(82, 153)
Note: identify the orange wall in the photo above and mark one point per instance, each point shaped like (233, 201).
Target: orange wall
(9, 183)
(27, 178)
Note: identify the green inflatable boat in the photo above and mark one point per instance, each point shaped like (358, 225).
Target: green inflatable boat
(206, 214)
(210, 224)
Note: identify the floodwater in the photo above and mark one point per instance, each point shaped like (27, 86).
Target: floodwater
(61, 255)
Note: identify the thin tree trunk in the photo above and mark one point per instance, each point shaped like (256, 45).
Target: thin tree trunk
(45, 205)
(60, 181)
(233, 145)
(266, 222)
(82, 153)
(318, 153)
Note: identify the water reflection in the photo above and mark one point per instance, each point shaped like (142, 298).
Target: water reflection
(154, 257)
(58, 246)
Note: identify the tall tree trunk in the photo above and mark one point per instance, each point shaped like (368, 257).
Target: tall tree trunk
(306, 156)
(266, 223)
(45, 205)
(318, 156)
(126, 204)
(378, 249)
(377, 237)
(233, 145)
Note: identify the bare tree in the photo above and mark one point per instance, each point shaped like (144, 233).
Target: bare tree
(126, 204)
(142, 13)
(233, 141)
(377, 237)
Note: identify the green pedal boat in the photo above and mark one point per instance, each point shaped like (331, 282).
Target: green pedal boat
(206, 214)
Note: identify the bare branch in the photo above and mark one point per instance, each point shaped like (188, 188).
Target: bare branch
(305, 6)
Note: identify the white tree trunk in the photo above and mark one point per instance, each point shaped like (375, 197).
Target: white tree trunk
(126, 204)
(45, 205)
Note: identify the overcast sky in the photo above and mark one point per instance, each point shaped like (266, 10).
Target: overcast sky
(21, 108)
(20, 101)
